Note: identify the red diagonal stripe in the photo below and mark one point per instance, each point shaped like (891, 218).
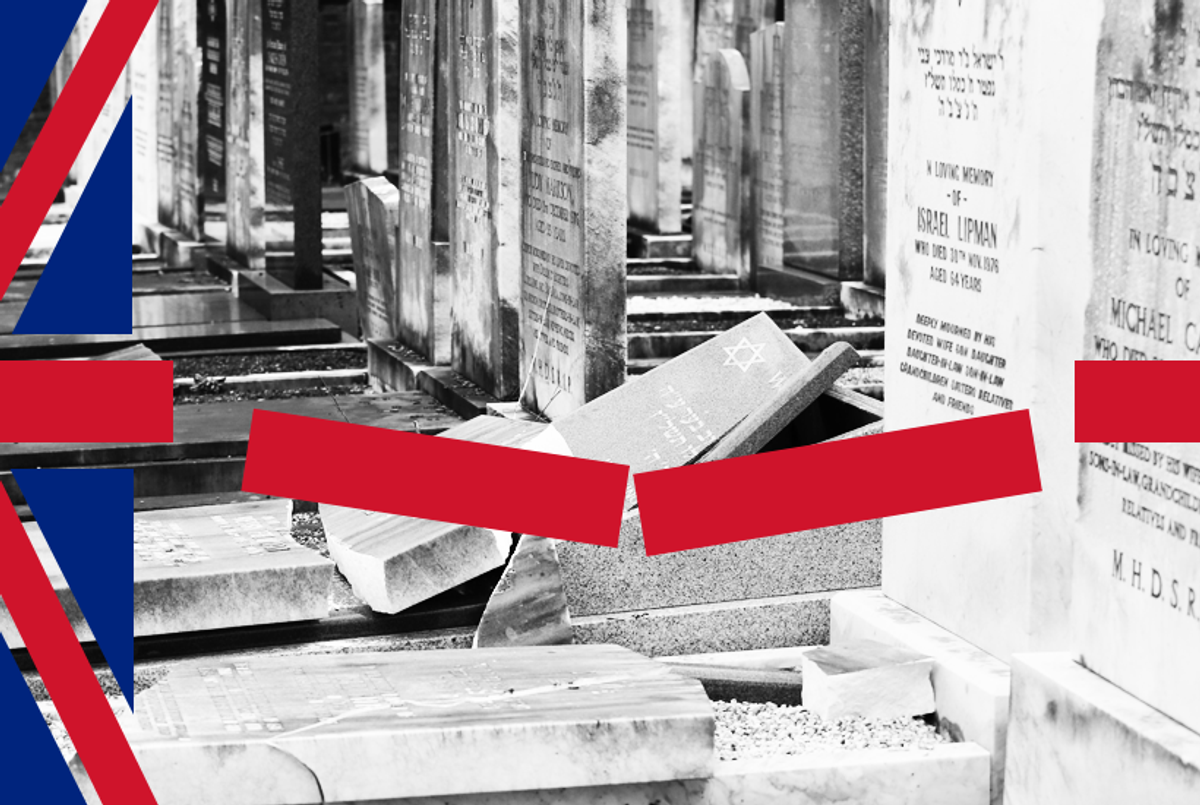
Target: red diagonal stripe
(452, 481)
(1122, 401)
(64, 669)
(65, 130)
(86, 401)
(812, 487)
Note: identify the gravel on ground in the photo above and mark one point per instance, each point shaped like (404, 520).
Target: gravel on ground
(263, 362)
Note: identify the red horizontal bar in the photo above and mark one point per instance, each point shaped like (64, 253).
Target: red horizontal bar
(86, 401)
(434, 478)
(825, 485)
(1126, 401)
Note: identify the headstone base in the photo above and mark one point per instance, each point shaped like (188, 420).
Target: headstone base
(648, 245)
(1075, 737)
(175, 249)
(862, 301)
(797, 286)
(970, 687)
(393, 367)
(278, 301)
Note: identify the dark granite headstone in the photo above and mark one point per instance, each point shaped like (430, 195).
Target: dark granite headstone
(485, 185)
(391, 66)
(212, 41)
(291, 151)
(823, 137)
(721, 175)
(574, 174)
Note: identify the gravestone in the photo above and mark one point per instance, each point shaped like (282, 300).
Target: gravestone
(485, 184)
(657, 85)
(178, 68)
(823, 137)
(335, 40)
(766, 149)
(209, 567)
(272, 138)
(574, 190)
(750, 16)
(875, 144)
(374, 209)
(395, 562)
(716, 30)
(392, 17)
(359, 727)
(368, 129)
(143, 84)
(722, 161)
(424, 279)
(213, 38)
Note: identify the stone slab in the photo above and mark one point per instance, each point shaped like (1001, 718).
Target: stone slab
(721, 168)
(657, 83)
(212, 35)
(868, 679)
(766, 172)
(1074, 737)
(376, 726)
(395, 562)
(528, 606)
(209, 567)
(368, 124)
(374, 208)
(574, 186)
(970, 687)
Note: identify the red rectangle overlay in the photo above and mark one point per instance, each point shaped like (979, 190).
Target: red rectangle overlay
(433, 478)
(86, 401)
(812, 487)
(1124, 401)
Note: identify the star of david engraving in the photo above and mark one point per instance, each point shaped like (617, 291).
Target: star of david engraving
(753, 355)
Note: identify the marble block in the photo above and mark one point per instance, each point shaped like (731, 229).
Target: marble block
(970, 687)
(1073, 737)
(366, 727)
(528, 606)
(368, 129)
(766, 148)
(394, 562)
(949, 774)
(374, 211)
(208, 567)
(867, 679)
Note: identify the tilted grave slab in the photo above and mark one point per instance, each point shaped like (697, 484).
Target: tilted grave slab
(364, 727)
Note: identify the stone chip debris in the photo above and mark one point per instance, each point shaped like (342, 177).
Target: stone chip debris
(745, 730)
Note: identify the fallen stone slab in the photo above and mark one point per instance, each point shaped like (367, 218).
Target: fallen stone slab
(209, 567)
(528, 606)
(367, 727)
(395, 562)
(868, 679)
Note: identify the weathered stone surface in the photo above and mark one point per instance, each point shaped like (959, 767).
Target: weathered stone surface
(823, 136)
(209, 567)
(213, 36)
(722, 162)
(381, 726)
(143, 81)
(245, 185)
(374, 208)
(573, 244)
(369, 125)
(528, 606)
(657, 84)
(424, 285)
(485, 183)
(394, 562)
(868, 679)
(1073, 737)
(766, 149)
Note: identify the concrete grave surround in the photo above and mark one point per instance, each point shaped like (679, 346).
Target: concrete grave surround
(573, 238)
(374, 208)
(361, 727)
(868, 679)
(823, 136)
(424, 280)
(722, 162)
(485, 185)
(394, 562)
(208, 567)
(657, 83)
